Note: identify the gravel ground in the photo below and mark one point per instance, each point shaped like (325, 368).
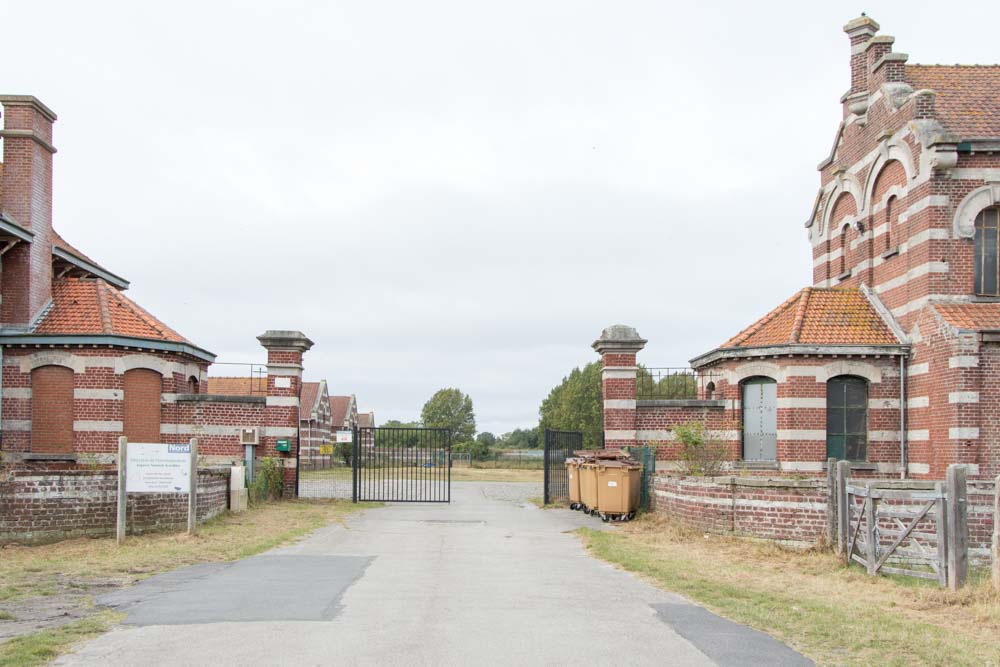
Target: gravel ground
(515, 492)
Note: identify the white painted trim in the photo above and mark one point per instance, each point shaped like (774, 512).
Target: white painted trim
(16, 392)
(920, 434)
(963, 433)
(99, 394)
(103, 426)
(619, 435)
(883, 436)
(619, 404)
(964, 361)
(801, 466)
(815, 435)
(919, 468)
(19, 425)
(963, 397)
(918, 369)
(617, 374)
(282, 401)
(918, 402)
(883, 403)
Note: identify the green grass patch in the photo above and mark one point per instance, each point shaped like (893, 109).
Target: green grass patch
(40, 648)
(833, 614)
(7, 616)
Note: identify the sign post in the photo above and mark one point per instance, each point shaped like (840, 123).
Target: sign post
(193, 489)
(122, 456)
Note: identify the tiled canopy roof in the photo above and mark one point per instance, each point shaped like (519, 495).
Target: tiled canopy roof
(238, 386)
(93, 307)
(818, 316)
(307, 399)
(966, 100)
(339, 405)
(970, 316)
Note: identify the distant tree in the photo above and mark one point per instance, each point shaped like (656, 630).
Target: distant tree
(450, 409)
(387, 438)
(520, 438)
(486, 438)
(575, 404)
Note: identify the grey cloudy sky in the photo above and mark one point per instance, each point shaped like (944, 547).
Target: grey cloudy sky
(452, 193)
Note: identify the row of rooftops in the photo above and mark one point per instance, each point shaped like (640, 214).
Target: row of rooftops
(340, 406)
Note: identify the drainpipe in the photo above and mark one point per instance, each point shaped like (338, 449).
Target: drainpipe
(903, 458)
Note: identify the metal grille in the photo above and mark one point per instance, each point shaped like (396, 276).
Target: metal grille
(402, 465)
(646, 456)
(559, 445)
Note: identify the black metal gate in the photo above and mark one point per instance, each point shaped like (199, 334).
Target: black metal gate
(402, 465)
(559, 446)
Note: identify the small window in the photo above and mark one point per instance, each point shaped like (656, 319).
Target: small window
(847, 418)
(843, 250)
(192, 386)
(986, 246)
(710, 390)
(889, 206)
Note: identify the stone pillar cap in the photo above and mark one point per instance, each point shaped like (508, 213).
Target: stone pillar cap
(862, 25)
(28, 101)
(619, 338)
(279, 339)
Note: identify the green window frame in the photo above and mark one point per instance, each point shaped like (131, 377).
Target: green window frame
(987, 252)
(847, 418)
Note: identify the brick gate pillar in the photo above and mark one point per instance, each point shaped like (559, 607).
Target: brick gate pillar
(618, 346)
(281, 411)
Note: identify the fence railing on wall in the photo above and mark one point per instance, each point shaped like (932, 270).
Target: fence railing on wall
(674, 383)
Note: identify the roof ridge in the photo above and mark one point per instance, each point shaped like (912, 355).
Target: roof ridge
(800, 314)
(756, 326)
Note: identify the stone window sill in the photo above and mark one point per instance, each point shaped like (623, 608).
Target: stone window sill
(890, 252)
(843, 276)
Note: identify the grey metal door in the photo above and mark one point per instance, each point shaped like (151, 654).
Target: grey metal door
(760, 420)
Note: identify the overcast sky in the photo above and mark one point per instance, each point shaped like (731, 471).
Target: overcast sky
(452, 193)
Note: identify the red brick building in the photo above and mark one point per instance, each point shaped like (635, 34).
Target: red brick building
(891, 358)
(315, 426)
(82, 364)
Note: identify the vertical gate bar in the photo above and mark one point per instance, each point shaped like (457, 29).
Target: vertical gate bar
(958, 540)
(545, 469)
(942, 534)
(871, 515)
(354, 464)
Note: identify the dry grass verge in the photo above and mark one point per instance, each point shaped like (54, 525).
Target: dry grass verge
(48, 589)
(457, 474)
(831, 613)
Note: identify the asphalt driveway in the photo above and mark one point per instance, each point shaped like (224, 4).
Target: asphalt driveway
(488, 579)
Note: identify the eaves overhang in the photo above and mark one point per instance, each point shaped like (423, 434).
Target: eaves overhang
(90, 267)
(68, 340)
(11, 228)
(798, 350)
(979, 145)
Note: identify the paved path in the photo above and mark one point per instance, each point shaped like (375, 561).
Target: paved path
(488, 579)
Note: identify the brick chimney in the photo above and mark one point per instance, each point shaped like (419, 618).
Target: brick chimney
(26, 198)
(860, 31)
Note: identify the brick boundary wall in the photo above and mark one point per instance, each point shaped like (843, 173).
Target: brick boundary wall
(783, 510)
(38, 507)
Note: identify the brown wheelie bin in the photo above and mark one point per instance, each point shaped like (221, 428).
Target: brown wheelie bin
(618, 489)
(573, 482)
(588, 487)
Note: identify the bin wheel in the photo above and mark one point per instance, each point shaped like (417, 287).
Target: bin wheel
(631, 515)
(605, 518)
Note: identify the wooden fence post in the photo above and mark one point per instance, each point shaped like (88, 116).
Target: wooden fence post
(193, 491)
(941, 527)
(958, 526)
(871, 538)
(996, 535)
(843, 509)
(831, 504)
(122, 458)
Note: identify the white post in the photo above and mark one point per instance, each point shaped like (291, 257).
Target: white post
(122, 458)
(193, 491)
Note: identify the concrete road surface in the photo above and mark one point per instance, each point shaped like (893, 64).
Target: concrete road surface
(487, 580)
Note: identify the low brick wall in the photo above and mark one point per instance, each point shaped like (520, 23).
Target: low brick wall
(46, 506)
(783, 510)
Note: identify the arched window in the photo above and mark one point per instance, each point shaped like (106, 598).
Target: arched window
(889, 205)
(141, 408)
(843, 250)
(986, 246)
(760, 419)
(192, 385)
(710, 390)
(847, 418)
(52, 410)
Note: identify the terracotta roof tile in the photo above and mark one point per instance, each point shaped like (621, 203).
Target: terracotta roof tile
(238, 386)
(366, 419)
(970, 316)
(832, 316)
(966, 101)
(84, 306)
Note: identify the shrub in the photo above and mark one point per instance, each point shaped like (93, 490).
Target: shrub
(345, 452)
(700, 453)
(268, 483)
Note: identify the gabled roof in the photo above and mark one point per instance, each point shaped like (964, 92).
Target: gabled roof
(970, 316)
(308, 398)
(818, 316)
(339, 406)
(238, 386)
(966, 101)
(366, 419)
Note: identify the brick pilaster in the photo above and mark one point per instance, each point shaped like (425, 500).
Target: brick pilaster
(281, 411)
(618, 346)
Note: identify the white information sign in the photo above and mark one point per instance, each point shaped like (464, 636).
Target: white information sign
(158, 468)
(345, 436)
